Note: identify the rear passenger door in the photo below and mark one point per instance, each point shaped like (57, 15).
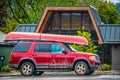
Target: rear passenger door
(42, 55)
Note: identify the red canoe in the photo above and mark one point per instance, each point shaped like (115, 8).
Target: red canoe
(48, 37)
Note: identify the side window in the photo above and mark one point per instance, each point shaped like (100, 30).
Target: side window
(42, 48)
(56, 48)
(20, 47)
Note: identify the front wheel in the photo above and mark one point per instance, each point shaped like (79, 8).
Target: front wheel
(81, 68)
(27, 69)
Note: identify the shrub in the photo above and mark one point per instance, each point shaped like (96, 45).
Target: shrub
(91, 48)
(105, 67)
(6, 68)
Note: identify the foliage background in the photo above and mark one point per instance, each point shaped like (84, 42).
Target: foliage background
(91, 48)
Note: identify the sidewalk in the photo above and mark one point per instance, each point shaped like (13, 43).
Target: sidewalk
(17, 73)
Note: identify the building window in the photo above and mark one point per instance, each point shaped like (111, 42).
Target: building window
(68, 23)
(65, 22)
(76, 21)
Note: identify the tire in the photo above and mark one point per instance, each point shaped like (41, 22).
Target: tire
(81, 68)
(27, 69)
(38, 73)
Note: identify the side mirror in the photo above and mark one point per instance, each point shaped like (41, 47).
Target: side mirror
(65, 52)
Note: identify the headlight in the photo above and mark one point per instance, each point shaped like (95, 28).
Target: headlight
(92, 58)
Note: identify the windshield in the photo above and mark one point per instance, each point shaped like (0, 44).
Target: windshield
(70, 47)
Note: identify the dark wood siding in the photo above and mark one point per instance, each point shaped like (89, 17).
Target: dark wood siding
(116, 57)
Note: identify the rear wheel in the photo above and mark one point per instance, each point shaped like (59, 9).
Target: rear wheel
(38, 73)
(27, 69)
(81, 68)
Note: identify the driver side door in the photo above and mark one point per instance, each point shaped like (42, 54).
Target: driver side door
(59, 57)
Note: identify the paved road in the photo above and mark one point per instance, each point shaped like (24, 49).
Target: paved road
(62, 76)
(98, 77)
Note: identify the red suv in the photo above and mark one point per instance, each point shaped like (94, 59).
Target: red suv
(35, 57)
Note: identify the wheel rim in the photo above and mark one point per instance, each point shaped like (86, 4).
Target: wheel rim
(27, 69)
(81, 69)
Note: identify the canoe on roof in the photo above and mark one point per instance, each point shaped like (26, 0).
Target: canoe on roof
(47, 37)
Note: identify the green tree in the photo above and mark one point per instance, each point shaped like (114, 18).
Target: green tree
(118, 10)
(92, 48)
(106, 10)
(90, 2)
(3, 12)
(27, 11)
(108, 13)
(10, 26)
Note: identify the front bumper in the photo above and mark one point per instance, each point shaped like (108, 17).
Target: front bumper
(95, 66)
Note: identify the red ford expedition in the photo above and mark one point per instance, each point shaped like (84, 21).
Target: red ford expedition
(40, 52)
(35, 57)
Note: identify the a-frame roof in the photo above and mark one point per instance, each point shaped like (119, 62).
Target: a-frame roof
(107, 33)
(48, 11)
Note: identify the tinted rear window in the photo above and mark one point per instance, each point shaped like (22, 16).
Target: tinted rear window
(21, 47)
